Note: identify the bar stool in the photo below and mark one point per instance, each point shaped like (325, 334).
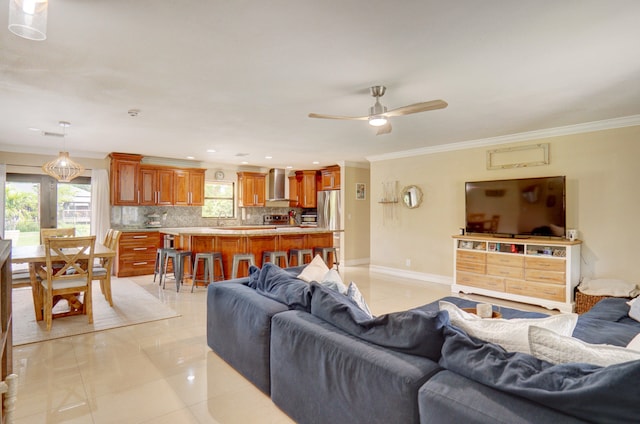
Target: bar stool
(300, 254)
(209, 259)
(177, 258)
(240, 257)
(158, 268)
(276, 257)
(324, 252)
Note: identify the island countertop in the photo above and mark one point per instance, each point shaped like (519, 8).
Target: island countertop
(234, 230)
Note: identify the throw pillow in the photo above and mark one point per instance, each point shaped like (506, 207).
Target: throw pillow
(511, 334)
(354, 294)
(315, 271)
(634, 344)
(634, 311)
(416, 332)
(333, 281)
(632, 301)
(591, 393)
(276, 283)
(557, 349)
(608, 287)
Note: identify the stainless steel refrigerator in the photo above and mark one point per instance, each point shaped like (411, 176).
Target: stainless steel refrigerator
(329, 212)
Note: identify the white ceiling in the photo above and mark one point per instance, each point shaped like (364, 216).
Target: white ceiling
(241, 76)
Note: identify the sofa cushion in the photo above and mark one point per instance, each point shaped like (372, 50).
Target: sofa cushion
(448, 398)
(511, 334)
(278, 284)
(557, 349)
(414, 331)
(592, 393)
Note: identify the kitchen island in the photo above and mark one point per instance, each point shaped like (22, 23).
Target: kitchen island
(227, 240)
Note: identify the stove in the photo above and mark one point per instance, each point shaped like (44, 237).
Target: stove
(275, 220)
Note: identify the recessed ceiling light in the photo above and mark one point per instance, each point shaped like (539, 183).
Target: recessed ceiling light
(211, 150)
(244, 162)
(34, 129)
(190, 157)
(289, 167)
(315, 162)
(268, 157)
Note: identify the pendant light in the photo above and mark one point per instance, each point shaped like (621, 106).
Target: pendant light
(28, 18)
(63, 168)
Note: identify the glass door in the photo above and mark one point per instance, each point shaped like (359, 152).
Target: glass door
(22, 212)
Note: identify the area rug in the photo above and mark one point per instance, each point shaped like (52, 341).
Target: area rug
(131, 305)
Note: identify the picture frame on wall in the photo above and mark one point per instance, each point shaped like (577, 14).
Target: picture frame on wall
(361, 191)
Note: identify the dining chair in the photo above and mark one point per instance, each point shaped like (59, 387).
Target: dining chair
(68, 271)
(56, 232)
(100, 272)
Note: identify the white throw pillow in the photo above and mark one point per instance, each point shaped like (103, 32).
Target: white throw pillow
(354, 294)
(557, 349)
(632, 301)
(634, 311)
(511, 334)
(315, 271)
(634, 344)
(608, 287)
(333, 281)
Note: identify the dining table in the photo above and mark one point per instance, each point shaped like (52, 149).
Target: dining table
(36, 256)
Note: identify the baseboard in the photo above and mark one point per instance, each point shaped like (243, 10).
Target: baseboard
(421, 276)
(356, 262)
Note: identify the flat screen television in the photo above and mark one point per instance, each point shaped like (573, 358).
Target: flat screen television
(523, 207)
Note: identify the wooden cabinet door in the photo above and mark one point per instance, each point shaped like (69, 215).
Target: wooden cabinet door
(164, 187)
(124, 180)
(147, 186)
(251, 189)
(294, 194)
(196, 188)
(330, 178)
(307, 189)
(181, 188)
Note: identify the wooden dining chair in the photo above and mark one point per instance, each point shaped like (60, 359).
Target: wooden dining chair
(56, 232)
(68, 271)
(100, 272)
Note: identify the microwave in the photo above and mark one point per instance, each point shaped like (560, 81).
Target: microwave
(310, 219)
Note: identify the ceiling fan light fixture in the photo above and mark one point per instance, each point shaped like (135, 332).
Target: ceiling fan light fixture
(377, 120)
(28, 18)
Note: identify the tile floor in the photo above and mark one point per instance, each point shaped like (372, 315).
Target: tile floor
(164, 372)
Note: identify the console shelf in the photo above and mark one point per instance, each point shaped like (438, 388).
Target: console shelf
(538, 271)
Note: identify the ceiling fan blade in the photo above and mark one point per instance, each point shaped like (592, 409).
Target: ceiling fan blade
(384, 129)
(346, 118)
(417, 107)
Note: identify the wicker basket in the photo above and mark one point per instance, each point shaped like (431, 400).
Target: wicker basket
(584, 302)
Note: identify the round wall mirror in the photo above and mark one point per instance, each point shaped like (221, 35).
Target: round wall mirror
(412, 196)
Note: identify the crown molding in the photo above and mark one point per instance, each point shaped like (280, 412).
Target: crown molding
(607, 124)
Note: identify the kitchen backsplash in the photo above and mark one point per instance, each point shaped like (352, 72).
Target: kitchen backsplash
(187, 216)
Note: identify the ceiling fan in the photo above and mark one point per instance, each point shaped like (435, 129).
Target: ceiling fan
(379, 115)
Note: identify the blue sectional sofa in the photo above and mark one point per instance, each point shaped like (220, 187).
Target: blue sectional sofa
(322, 361)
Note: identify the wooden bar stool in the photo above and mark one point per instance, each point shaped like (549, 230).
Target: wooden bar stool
(300, 255)
(240, 257)
(276, 257)
(209, 259)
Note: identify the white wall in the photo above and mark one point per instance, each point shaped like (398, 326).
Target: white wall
(603, 203)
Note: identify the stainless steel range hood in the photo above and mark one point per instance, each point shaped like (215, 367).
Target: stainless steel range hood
(277, 180)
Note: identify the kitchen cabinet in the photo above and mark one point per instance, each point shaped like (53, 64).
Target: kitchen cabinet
(293, 192)
(251, 189)
(329, 178)
(136, 253)
(189, 187)
(125, 170)
(307, 192)
(156, 186)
